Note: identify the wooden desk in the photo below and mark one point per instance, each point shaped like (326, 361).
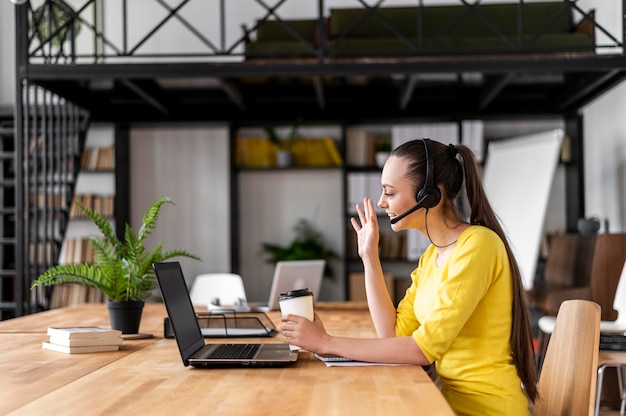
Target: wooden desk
(148, 377)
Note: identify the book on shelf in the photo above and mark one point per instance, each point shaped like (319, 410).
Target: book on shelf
(79, 350)
(48, 199)
(98, 158)
(361, 146)
(392, 246)
(103, 204)
(85, 342)
(254, 152)
(356, 283)
(78, 250)
(360, 185)
(82, 332)
(71, 294)
(41, 253)
(316, 152)
(259, 152)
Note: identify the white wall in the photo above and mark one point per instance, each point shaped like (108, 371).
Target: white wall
(190, 165)
(605, 158)
(7, 52)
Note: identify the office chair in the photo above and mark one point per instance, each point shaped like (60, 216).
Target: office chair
(546, 323)
(607, 359)
(218, 290)
(617, 360)
(567, 384)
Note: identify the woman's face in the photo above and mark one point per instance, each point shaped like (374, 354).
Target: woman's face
(398, 193)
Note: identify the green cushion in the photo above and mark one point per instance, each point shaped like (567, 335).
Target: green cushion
(277, 49)
(273, 39)
(546, 17)
(548, 26)
(275, 31)
(341, 20)
(462, 44)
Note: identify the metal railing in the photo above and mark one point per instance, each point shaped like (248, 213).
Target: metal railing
(95, 31)
(49, 142)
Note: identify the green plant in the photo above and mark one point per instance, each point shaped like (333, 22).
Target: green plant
(287, 142)
(308, 244)
(382, 146)
(54, 21)
(122, 270)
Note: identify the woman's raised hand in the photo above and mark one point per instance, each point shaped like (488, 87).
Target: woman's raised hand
(366, 228)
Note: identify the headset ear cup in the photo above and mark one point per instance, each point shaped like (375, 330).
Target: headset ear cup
(430, 195)
(436, 195)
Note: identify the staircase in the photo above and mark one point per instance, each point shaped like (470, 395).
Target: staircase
(8, 241)
(38, 176)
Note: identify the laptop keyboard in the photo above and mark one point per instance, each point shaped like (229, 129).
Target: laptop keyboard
(235, 351)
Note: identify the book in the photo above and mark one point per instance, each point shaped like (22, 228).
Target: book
(339, 361)
(79, 350)
(83, 332)
(85, 342)
(332, 358)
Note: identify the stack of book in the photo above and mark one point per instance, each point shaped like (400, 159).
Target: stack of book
(77, 340)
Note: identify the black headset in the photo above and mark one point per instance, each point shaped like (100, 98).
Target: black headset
(428, 195)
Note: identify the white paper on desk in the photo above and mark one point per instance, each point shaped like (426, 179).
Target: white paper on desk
(340, 362)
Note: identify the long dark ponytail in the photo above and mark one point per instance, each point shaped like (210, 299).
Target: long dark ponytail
(449, 175)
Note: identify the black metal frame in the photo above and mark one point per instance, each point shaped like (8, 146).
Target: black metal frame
(319, 84)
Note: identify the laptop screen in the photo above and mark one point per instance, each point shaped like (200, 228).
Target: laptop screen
(179, 308)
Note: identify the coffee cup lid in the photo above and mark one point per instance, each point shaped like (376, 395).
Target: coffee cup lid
(295, 294)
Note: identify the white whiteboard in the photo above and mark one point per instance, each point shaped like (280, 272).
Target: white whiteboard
(518, 176)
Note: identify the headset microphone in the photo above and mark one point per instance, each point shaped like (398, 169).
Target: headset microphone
(422, 202)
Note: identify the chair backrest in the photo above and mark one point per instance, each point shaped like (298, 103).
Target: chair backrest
(608, 262)
(223, 288)
(569, 261)
(567, 384)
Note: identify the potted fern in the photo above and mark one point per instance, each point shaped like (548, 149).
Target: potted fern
(122, 270)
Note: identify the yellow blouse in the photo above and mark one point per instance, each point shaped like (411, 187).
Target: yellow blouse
(460, 316)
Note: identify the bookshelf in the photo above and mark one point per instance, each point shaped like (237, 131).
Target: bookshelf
(362, 177)
(267, 200)
(96, 189)
(252, 151)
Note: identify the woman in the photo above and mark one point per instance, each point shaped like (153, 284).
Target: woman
(465, 310)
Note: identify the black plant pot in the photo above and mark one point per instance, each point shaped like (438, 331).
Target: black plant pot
(125, 315)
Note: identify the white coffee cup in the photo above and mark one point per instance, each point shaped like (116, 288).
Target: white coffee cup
(296, 302)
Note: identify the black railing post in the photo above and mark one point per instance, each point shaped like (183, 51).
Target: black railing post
(623, 27)
(21, 75)
(321, 27)
(574, 172)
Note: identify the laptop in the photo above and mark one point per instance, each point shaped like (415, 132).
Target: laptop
(191, 346)
(293, 275)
